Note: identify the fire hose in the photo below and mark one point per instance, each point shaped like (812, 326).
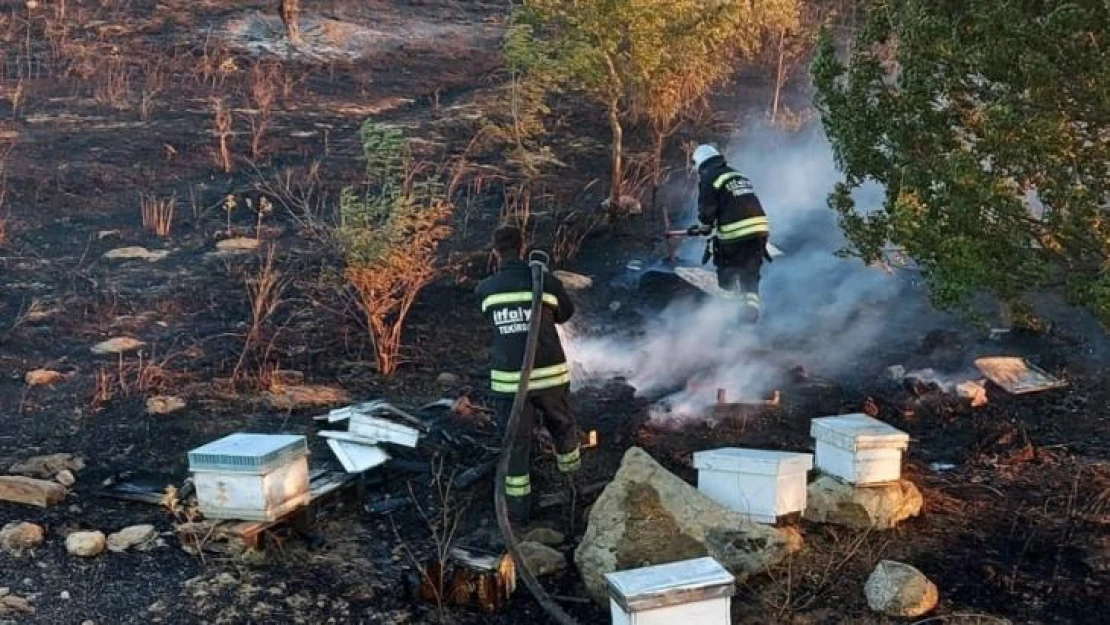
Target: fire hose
(512, 427)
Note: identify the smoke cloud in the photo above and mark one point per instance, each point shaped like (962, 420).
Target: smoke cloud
(820, 311)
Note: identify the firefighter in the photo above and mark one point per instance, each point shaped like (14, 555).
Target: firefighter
(727, 201)
(506, 298)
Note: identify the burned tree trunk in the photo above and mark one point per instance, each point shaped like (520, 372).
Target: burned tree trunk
(290, 10)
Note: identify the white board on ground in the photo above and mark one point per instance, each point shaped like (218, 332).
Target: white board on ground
(1017, 376)
(356, 457)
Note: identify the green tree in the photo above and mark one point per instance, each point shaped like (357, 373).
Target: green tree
(964, 111)
(648, 58)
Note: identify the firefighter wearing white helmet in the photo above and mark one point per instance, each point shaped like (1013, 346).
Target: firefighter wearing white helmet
(727, 202)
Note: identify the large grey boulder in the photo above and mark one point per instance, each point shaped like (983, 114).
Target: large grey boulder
(649, 516)
(882, 506)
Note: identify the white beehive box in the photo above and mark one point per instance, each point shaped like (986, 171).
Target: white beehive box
(690, 592)
(251, 477)
(859, 449)
(761, 484)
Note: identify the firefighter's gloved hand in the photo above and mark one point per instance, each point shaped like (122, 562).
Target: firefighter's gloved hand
(699, 230)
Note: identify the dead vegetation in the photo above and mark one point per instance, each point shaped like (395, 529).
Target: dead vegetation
(157, 214)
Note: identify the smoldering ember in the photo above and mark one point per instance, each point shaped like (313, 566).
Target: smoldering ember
(808, 323)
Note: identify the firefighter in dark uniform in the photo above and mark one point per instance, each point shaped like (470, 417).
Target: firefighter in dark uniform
(727, 201)
(506, 298)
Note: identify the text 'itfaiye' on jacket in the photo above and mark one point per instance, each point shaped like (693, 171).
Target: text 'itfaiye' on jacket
(506, 299)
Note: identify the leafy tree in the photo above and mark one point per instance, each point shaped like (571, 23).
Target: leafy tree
(987, 123)
(649, 58)
(390, 232)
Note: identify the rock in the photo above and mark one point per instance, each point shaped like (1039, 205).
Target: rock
(117, 345)
(614, 306)
(973, 390)
(135, 253)
(305, 396)
(164, 404)
(648, 516)
(46, 467)
(15, 538)
(134, 536)
(882, 506)
(30, 491)
(66, 478)
(85, 544)
(238, 245)
(11, 604)
(541, 559)
(64, 595)
(544, 536)
(626, 205)
(896, 372)
(573, 281)
(447, 379)
(287, 377)
(898, 589)
(43, 377)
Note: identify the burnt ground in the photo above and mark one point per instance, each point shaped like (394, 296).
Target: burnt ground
(114, 99)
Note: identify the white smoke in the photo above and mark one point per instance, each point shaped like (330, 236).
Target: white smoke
(820, 311)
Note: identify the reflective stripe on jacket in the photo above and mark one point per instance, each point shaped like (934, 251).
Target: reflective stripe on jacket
(506, 301)
(727, 200)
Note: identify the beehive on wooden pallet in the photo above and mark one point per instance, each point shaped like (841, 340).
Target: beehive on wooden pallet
(251, 477)
(764, 485)
(859, 449)
(690, 591)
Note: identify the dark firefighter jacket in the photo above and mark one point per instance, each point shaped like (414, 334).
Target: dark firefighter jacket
(727, 199)
(507, 301)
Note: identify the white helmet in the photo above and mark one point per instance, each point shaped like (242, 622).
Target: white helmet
(703, 153)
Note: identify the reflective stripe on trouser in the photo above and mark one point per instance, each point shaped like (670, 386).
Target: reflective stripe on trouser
(516, 297)
(544, 377)
(570, 461)
(751, 300)
(518, 485)
(743, 229)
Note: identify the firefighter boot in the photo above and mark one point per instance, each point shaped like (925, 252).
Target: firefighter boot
(750, 308)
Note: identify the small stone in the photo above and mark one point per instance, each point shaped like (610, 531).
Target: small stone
(447, 379)
(544, 536)
(541, 559)
(66, 478)
(898, 589)
(128, 537)
(238, 245)
(136, 253)
(85, 544)
(43, 377)
(614, 306)
(46, 467)
(117, 345)
(12, 603)
(164, 404)
(65, 595)
(17, 537)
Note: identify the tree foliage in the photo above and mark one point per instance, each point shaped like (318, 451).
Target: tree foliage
(647, 58)
(390, 232)
(964, 111)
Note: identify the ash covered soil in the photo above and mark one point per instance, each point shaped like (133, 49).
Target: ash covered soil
(1016, 514)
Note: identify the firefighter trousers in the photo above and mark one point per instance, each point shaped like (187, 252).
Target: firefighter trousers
(553, 405)
(739, 264)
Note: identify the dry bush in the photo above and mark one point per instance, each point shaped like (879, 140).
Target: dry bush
(265, 294)
(154, 83)
(112, 86)
(5, 213)
(140, 376)
(390, 234)
(262, 91)
(157, 214)
(221, 118)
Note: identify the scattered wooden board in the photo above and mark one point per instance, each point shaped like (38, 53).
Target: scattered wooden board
(1016, 375)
